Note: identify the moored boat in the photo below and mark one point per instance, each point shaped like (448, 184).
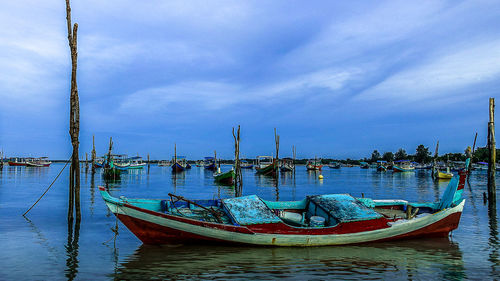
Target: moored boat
(287, 165)
(314, 165)
(17, 162)
(225, 178)
(320, 220)
(364, 165)
(334, 165)
(266, 165)
(179, 164)
(403, 166)
(245, 165)
(381, 166)
(209, 163)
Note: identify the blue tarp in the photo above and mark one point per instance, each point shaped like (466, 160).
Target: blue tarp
(344, 207)
(249, 210)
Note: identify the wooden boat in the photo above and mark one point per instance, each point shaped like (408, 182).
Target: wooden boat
(334, 165)
(136, 163)
(209, 164)
(437, 174)
(225, 178)
(17, 162)
(246, 165)
(110, 171)
(403, 166)
(179, 164)
(314, 165)
(286, 165)
(266, 165)
(163, 163)
(364, 165)
(334, 219)
(381, 166)
(188, 166)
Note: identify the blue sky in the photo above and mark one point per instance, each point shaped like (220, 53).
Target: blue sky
(336, 78)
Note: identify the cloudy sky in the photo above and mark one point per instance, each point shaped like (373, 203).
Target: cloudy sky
(336, 78)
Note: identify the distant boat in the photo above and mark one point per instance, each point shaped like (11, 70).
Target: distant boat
(320, 220)
(403, 166)
(225, 178)
(209, 163)
(164, 163)
(314, 165)
(381, 166)
(334, 165)
(17, 162)
(364, 165)
(286, 165)
(246, 165)
(136, 163)
(179, 164)
(442, 175)
(266, 165)
(38, 162)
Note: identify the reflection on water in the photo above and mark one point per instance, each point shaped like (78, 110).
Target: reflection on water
(72, 250)
(438, 258)
(53, 250)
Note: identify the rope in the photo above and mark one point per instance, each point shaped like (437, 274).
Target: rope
(48, 187)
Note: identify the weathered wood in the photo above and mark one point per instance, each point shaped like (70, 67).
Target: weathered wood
(93, 156)
(74, 123)
(277, 141)
(238, 184)
(492, 158)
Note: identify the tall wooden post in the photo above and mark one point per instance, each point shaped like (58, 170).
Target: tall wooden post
(148, 163)
(175, 153)
(277, 141)
(86, 162)
(238, 184)
(492, 160)
(74, 121)
(93, 156)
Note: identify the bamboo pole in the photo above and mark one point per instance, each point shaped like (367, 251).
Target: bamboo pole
(74, 124)
(148, 163)
(492, 158)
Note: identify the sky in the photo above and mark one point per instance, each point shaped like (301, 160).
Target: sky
(337, 79)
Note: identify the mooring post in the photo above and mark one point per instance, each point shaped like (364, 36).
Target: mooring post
(148, 163)
(277, 141)
(238, 183)
(93, 156)
(492, 158)
(74, 121)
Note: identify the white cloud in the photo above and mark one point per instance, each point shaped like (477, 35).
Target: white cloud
(444, 75)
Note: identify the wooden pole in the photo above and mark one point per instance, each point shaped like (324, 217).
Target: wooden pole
(277, 141)
(238, 184)
(93, 156)
(175, 153)
(148, 163)
(74, 123)
(471, 156)
(86, 161)
(492, 158)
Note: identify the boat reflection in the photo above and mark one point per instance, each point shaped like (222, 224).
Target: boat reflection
(414, 259)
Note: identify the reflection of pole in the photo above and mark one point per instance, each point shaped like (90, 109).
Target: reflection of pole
(492, 158)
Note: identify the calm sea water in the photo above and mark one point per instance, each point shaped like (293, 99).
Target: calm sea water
(43, 247)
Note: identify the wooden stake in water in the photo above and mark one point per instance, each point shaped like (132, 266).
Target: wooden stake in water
(277, 141)
(238, 182)
(74, 121)
(93, 156)
(492, 158)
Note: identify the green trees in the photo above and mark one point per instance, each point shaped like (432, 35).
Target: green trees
(375, 156)
(422, 155)
(388, 156)
(401, 154)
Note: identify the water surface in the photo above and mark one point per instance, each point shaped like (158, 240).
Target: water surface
(43, 246)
